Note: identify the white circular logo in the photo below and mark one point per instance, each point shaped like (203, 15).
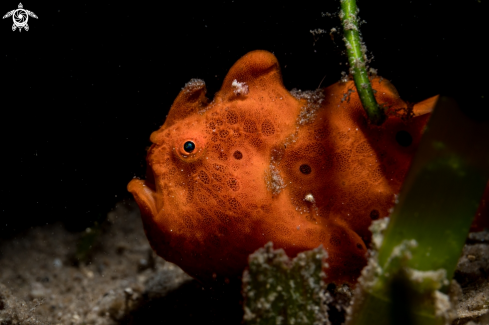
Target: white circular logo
(20, 17)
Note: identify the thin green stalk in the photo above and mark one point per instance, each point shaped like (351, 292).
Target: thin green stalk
(356, 58)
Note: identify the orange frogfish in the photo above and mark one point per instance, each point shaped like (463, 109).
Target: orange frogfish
(259, 163)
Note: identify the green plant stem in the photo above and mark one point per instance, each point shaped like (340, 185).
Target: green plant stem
(356, 59)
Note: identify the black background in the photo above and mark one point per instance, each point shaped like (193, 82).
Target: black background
(83, 89)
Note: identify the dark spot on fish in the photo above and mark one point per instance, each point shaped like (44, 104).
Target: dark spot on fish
(237, 155)
(403, 138)
(305, 169)
(374, 214)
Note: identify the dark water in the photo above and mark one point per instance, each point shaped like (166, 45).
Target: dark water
(83, 89)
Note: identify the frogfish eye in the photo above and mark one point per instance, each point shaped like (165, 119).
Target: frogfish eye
(189, 146)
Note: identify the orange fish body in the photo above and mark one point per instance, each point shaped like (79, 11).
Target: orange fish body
(259, 163)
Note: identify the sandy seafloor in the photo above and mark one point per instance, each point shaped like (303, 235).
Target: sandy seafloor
(122, 281)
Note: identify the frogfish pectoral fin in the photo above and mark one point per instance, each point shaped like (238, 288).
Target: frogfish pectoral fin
(347, 253)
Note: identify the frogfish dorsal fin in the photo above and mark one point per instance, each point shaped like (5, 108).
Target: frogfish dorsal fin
(189, 101)
(255, 69)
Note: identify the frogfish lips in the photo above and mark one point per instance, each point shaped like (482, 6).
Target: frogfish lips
(144, 194)
(146, 198)
(259, 163)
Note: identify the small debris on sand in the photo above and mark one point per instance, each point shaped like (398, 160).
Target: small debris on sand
(121, 282)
